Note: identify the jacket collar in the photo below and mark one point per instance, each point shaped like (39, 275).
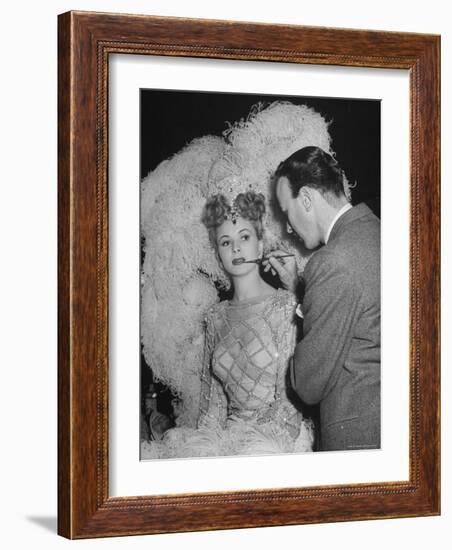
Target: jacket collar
(359, 211)
(339, 213)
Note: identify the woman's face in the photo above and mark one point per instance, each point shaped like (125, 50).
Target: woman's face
(238, 240)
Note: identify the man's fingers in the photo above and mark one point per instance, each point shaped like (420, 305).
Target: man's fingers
(276, 264)
(268, 267)
(286, 271)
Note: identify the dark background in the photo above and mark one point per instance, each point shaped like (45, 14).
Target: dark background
(169, 120)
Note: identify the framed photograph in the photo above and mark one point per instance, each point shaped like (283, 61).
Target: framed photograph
(176, 294)
(203, 385)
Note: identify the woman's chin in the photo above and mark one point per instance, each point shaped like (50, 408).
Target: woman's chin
(243, 269)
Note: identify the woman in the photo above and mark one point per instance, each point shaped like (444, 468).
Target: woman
(244, 407)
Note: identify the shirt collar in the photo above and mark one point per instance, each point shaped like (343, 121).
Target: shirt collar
(343, 210)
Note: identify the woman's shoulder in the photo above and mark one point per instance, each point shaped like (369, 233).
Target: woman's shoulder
(215, 310)
(281, 303)
(285, 298)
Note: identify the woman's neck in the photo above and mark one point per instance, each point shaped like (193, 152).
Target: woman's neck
(250, 286)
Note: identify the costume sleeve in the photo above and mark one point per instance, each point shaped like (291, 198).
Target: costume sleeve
(212, 401)
(330, 308)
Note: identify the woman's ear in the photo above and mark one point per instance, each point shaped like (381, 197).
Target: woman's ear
(261, 249)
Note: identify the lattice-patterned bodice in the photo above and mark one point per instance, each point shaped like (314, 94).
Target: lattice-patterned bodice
(244, 408)
(251, 346)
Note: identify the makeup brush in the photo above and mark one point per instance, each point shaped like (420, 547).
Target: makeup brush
(239, 261)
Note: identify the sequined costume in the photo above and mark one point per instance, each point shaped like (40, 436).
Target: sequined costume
(244, 408)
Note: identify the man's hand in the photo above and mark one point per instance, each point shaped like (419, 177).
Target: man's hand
(286, 268)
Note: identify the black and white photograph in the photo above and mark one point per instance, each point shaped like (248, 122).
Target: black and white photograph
(260, 274)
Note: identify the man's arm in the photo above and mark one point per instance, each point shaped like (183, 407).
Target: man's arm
(330, 309)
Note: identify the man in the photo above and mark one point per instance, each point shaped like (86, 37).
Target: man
(337, 363)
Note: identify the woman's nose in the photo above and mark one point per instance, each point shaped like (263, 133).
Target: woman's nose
(236, 246)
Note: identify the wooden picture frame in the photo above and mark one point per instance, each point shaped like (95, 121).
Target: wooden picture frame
(85, 42)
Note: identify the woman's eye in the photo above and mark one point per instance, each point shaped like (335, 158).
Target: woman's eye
(245, 237)
(225, 243)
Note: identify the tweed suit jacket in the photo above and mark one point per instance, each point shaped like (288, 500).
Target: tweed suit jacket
(337, 363)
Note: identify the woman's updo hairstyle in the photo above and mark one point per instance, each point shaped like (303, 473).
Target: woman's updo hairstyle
(249, 206)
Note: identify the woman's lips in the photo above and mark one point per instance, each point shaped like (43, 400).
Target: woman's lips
(238, 261)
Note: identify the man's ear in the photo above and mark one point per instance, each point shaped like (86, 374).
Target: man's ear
(305, 197)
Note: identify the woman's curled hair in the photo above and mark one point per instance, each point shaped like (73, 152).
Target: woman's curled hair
(249, 206)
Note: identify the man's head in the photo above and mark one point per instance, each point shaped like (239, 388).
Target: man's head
(310, 190)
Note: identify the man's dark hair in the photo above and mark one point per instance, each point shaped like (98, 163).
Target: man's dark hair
(312, 167)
